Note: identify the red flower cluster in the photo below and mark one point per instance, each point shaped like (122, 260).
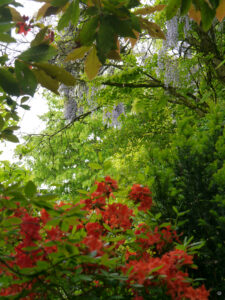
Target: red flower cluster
(50, 36)
(93, 240)
(166, 271)
(90, 249)
(118, 215)
(141, 195)
(23, 26)
(98, 198)
(157, 238)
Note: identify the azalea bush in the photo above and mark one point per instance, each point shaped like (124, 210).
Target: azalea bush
(93, 248)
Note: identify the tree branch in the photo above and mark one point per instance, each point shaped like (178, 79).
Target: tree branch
(78, 118)
(154, 83)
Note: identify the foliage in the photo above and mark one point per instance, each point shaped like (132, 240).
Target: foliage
(94, 248)
(188, 177)
(168, 109)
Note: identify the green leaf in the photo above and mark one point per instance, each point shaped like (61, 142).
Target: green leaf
(6, 38)
(82, 192)
(46, 81)
(92, 64)
(156, 269)
(30, 189)
(77, 53)
(107, 227)
(57, 73)
(26, 107)
(94, 166)
(172, 8)
(207, 15)
(24, 99)
(125, 28)
(47, 197)
(3, 59)
(10, 137)
(2, 122)
(72, 14)
(54, 222)
(42, 265)
(88, 31)
(75, 12)
(175, 209)
(59, 3)
(12, 221)
(64, 20)
(4, 2)
(64, 226)
(38, 53)
(5, 26)
(16, 16)
(40, 37)
(12, 128)
(105, 40)
(9, 83)
(185, 6)
(26, 78)
(5, 15)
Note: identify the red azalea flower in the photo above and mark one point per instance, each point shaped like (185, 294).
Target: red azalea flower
(141, 195)
(94, 229)
(111, 182)
(117, 215)
(30, 227)
(93, 243)
(50, 37)
(23, 26)
(45, 217)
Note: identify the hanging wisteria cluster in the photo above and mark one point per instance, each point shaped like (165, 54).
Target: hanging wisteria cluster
(171, 76)
(170, 65)
(172, 32)
(112, 118)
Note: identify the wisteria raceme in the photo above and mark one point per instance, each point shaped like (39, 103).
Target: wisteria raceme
(70, 109)
(187, 26)
(172, 32)
(114, 115)
(171, 76)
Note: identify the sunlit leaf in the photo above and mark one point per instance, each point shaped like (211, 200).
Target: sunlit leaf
(153, 29)
(57, 73)
(94, 166)
(220, 11)
(46, 81)
(16, 16)
(92, 64)
(43, 10)
(78, 53)
(149, 9)
(195, 14)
